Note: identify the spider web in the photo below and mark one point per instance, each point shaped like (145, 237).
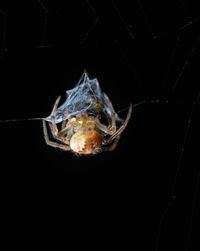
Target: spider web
(86, 96)
(132, 34)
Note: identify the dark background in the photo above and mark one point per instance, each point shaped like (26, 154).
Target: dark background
(145, 192)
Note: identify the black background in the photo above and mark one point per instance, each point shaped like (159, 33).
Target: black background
(145, 192)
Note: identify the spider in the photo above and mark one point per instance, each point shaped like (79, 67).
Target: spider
(85, 134)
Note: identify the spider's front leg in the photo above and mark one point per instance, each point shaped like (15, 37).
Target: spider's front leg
(112, 123)
(64, 140)
(54, 126)
(121, 129)
(113, 146)
(51, 143)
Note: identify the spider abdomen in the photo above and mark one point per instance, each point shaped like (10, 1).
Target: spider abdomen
(86, 141)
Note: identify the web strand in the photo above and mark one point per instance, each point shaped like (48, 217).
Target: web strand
(4, 33)
(125, 25)
(173, 193)
(186, 63)
(19, 120)
(85, 37)
(194, 203)
(44, 43)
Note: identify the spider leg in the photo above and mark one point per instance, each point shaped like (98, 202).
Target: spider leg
(121, 129)
(54, 126)
(59, 138)
(63, 124)
(108, 118)
(51, 143)
(64, 131)
(113, 146)
(102, 127)
(113, 119)
(111, 129)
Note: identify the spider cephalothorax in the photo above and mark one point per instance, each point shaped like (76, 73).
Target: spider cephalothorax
(84, 134)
